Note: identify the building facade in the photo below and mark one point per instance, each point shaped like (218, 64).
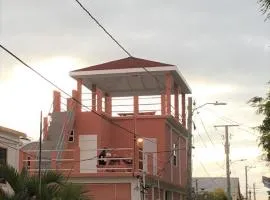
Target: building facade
(210, 184)
(10, 143)
(123, 134)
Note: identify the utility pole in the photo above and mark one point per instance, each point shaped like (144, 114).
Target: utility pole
(189, 151)
(246, 182)
(254, 192)
(196, 190)
(40, 149)
(227, 152)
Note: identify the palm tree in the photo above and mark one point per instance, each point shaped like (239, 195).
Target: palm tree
(265, 7)
(54, 186)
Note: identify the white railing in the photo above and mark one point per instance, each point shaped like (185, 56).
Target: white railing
(114, 160)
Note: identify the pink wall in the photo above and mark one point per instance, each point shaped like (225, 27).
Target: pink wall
(111, 191)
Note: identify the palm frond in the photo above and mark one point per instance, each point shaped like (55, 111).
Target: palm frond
(265, 7)
(11, 176)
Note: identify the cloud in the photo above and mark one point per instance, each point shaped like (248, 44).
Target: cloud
(221, 47)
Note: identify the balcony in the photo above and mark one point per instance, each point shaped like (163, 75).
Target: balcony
(121, 107)
(104, 161)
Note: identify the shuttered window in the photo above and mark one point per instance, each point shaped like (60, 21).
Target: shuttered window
(3, 155)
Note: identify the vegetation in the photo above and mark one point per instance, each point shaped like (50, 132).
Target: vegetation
(26, 187)
(263, 107)
(218, 194)
(265, 7)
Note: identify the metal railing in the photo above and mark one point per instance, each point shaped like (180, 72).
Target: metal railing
(116, 160)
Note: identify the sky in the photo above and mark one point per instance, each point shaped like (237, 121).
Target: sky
(221, 47)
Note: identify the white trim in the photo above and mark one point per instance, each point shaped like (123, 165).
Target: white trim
(182, 77)
(85, 180)
(123, 71)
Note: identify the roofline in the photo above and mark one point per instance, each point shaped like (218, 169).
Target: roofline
(12, 132)
(80, 74)
(121, 59)
(121, 71)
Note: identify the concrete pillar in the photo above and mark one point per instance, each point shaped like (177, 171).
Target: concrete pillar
(99, 100)
(136, 105)
(56, 101)
(70, 104)
(108, 104)
(184, 110)
(79, 95)
(176, 101)
(168, 85)
(163, 106)
(45, 128)
(75, 97)
(94, 101)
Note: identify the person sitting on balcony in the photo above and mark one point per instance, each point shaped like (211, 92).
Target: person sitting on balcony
(103, 155)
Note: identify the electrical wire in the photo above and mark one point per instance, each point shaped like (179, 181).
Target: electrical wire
(227, 119)
(74, 99)
(113, 38)
(205, 130)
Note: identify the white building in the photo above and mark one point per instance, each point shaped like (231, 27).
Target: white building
(210, 184)
(10, 143)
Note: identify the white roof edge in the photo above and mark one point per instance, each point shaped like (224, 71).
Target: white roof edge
(182, 77)
(76, 74)
(122, 71)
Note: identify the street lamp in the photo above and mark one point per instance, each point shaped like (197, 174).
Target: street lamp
(234, 161)
(189, 153)
(213, 103)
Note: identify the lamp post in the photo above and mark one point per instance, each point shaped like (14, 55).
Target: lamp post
(213, 103)
(189, 153)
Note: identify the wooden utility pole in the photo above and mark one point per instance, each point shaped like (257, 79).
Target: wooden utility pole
(189, 151)
(246, 182)
(40, 148)
(227, 152)
(254, 192)
(196, 190)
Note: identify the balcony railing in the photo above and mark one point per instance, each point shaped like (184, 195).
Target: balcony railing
(114, 160)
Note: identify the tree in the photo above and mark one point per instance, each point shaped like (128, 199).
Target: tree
(217, 194)
(26, 187)
(265, 7)
(263, 107)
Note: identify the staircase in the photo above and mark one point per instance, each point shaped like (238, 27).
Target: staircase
(59, 129)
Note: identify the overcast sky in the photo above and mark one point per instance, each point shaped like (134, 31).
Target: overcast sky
(221, 47)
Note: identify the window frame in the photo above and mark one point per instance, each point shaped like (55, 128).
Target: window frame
(5, 155)
(71, 136)
(174, 160)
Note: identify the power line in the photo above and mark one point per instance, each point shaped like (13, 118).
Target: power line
(227, 119)
(103, 28)
(74, 99)
(114, 39)
(204, 127)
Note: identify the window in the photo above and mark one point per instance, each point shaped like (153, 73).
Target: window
(28, 162)
(168, 195)
(71, 136)
(3, 156)
(174, 155)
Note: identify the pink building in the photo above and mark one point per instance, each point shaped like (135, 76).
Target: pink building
(123, 134)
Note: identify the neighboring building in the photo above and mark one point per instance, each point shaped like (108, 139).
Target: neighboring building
(210, 184)
(10, 143)
(94, 143)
